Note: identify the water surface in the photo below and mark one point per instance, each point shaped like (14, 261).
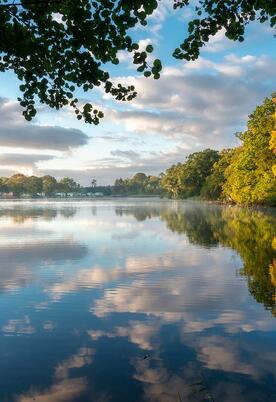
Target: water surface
(137, 300)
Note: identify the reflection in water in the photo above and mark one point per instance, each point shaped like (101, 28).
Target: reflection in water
(137, 301)
(19, 265)
(249, 232)
(26, 212)
(62, 391)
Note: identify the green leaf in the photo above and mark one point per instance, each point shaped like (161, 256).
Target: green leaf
(149, 48)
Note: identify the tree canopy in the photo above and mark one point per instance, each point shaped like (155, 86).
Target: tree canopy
(19, 184)
(243, 175)
(186, 180)
(33, 186)
(139, 184)
(212, 188)
(55, 46)
(249, 177)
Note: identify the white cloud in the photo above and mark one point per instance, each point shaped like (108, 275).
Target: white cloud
(15, 131)
(217, 43)
(203, 103)
(25, 163)
(131, 155)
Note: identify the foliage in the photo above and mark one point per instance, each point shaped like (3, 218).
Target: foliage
(55, 46)
(3, 187)
(16, 184)
(49, 184)
(93, 183)
(240, 175)
(249, 177)
(68, 185)
(272, 142)
(185, 180)
(20, 184)
(213, 185)
(171, 181)
(33, 185)
(139, 184)
(196, 169)
(213, 16)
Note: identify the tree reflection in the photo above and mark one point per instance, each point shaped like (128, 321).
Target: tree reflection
(140, 213)
(21, 214)
(196, 223)
(249, 232)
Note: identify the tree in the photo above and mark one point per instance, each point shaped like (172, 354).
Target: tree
(272, 142)
(49, 185)
(54, 46)
(93, 183)
(249, 178)
(185, 180)
(152, 185)
(68, 185)
(17, 184)
(119, 187)
(171, 181)
(213, 186)
(3, 186)
(139, 177)
(139, 184)
(33, 185)
(196, 169)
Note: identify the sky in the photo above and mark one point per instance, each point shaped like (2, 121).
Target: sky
(193, 106)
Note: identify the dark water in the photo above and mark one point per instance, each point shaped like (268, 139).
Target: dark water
(137, 301)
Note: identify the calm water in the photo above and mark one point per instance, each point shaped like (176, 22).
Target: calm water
(137, 301)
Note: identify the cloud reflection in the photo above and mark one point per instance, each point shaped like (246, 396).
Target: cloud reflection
(169, 282)
(80, 359)
(64, 391)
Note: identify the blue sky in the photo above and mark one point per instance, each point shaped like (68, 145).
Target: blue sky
(193, 106)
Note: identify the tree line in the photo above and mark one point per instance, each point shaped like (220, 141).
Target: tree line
(245, 174)
(19, 184)
(242, 175)
(139, 184)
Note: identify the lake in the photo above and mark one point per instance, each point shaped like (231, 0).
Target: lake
(137, 300)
